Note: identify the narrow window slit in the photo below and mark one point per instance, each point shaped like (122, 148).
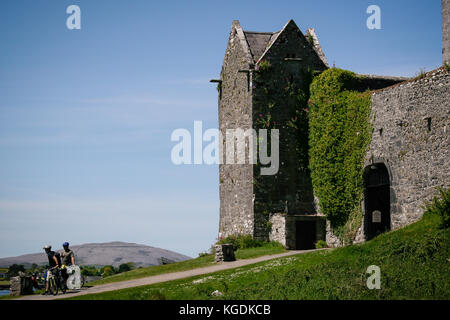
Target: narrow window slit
(429, 123)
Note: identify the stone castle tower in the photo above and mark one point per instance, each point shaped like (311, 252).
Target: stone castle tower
(258, 69)
(245, 208)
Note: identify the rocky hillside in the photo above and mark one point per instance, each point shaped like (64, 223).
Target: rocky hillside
(100, 254)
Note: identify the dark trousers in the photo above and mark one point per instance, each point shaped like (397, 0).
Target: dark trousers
(64, 276)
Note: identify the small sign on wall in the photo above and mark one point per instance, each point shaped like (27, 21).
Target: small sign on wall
(376, 216)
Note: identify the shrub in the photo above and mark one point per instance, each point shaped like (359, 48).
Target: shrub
(203, 254)
(264, 65)
(321, 244)
(248, 242)
(108, 271)
(124, 267)
(242, 241)
(441, 207)
(14, 270)
(91, 271)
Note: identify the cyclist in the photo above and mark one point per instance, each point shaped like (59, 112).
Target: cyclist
(67, 255)
(68, 259)
(54, 260)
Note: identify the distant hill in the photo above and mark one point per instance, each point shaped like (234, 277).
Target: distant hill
(101, 254)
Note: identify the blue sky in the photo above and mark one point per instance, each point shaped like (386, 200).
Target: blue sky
(86, 115)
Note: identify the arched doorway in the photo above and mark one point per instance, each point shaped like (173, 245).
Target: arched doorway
(377, 217)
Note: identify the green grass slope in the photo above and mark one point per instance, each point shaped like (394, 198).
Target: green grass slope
(414, 263)
(203, 261)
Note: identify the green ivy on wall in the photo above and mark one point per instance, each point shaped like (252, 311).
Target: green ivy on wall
(339, 137)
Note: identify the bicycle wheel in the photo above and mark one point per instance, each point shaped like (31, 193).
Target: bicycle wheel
(49, 284)
(63, 284)
(53, 286)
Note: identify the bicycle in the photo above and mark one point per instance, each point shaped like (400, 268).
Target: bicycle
(55, 281)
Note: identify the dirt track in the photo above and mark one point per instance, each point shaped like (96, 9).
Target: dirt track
(163, 277)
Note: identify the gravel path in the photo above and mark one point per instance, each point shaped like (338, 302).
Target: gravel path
(164, 277)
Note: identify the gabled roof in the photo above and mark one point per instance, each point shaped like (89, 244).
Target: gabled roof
(258, 42)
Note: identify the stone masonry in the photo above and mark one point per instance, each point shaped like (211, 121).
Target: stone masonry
(235, 111)
(224, 252)
(411, 138)
(445, 31)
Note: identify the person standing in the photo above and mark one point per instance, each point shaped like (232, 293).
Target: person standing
(54, 260)
(68, 259)
(67, 255)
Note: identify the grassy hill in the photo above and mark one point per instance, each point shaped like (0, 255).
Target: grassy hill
(414, 263)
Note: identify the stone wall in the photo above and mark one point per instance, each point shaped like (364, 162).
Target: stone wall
(21, 285)
(445, 31)
(224, 252)
(278, 228)
(235, 111)
(332, 240)
(411, 123)
(290, 190)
